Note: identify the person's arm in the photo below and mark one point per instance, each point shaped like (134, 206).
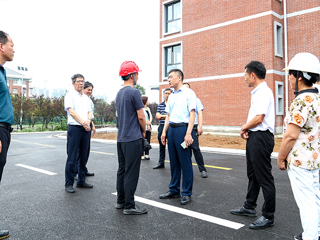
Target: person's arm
(142, 121)
(0, 146)
(200, 122)
(188, 138)
(289, 139)
(84, 123)
(165, 129)
(258, 119)
(93, 129)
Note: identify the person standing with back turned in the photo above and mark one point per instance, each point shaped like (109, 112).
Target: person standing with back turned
(6, 109)
(131, 131)
(258, 131)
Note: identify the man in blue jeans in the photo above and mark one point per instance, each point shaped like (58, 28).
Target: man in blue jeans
(6, 109)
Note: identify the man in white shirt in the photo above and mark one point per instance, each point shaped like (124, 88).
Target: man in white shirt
(77, 105)
(258, 131)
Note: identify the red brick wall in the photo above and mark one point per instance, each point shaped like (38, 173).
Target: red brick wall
(226, 50)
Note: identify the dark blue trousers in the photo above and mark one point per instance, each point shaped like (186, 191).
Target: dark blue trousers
(5, 138)
(129, 159)
(78, 140)
(196, 150)
(162, 148)
(180, 162)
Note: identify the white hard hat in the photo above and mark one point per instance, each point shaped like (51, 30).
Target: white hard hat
(304, 62)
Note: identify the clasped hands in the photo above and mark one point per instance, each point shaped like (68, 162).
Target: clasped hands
(86, 125)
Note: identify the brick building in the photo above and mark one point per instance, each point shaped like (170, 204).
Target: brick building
(212, 41)
(18, 82)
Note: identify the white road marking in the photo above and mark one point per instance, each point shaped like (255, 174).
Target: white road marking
(36, 169)
(201, 216)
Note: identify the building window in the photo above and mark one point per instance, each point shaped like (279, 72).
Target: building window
(173, 17)
(279, 98)
(278, 39)
(14, 91)
(172, 58)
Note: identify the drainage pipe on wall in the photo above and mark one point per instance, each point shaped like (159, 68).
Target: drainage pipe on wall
(286, 51)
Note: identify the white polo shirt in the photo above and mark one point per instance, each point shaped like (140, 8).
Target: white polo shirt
(262, 102)
(80, 103)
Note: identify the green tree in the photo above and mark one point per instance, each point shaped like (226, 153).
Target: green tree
(141, 89)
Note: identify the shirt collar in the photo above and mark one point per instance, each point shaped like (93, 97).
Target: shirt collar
(311, 90)
(76, 92)
(261, 85)
(180, 89)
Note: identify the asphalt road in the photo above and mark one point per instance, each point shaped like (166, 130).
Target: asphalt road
(34, 204)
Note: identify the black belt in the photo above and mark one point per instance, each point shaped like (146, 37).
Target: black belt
(79, 126)
(175, 125)
(6, 126)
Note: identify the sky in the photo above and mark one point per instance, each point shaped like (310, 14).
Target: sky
(56, 39)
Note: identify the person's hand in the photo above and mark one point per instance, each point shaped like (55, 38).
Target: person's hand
(163, 138)
(200, 131)
(188, 139)
(282, 164)
(0, 146)
(143, 134)
(93, 131)
(86, 125)
(244, 134)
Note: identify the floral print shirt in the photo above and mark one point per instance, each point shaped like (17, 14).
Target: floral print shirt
(305, 112)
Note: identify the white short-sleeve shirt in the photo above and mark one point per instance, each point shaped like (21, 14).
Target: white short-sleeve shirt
(80, 103)
(262, 102)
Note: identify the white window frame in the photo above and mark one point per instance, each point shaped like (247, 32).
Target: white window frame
(164, 46)
(279, 97)
(278, 39)
(164, 20)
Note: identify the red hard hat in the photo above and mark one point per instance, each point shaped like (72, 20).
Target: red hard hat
(128, 67)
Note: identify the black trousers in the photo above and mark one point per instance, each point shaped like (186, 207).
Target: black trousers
(162, 148)
(196, 150)
(5, 138)
(148, 137)
(258, 152)
(129, 160)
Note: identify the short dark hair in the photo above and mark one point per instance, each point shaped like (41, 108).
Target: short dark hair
(87, 84)
(187, 84)
(4, 38)
(74, 77)
(314, 77)
(180, 73)
(144, 99)
(168, 89)
(258, 68)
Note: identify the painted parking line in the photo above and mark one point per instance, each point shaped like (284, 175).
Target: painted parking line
(44, 145)
(103, 153)
(209, 166)
(36, 169)
(189, 213)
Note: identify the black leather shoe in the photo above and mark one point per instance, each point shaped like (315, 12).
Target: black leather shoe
(262, 223)
(159, 165)
(244, 212)
(120, 206)
(89, 174)
(185, 200)
(135, 211)
(169, 195)
(69, 189)
(84, 185)
(4, 234)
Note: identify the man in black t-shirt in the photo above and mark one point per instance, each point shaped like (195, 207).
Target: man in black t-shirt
(131, 131)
